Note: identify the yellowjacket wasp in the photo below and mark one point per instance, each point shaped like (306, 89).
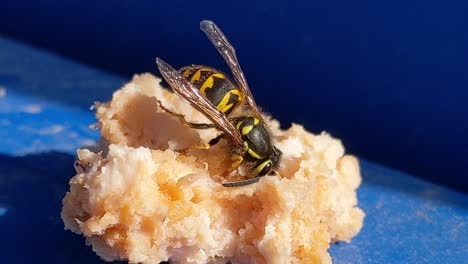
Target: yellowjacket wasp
(213, 94)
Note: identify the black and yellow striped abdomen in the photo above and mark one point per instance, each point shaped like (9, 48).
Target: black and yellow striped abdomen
(214, 86)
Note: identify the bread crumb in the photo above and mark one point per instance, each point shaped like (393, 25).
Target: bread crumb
(141, 198)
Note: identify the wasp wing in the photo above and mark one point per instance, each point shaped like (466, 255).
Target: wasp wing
(186, 90)
(226, 50)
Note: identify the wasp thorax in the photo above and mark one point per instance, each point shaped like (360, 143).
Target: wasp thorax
(257, 145)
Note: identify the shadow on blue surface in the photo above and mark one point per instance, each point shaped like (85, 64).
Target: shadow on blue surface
(31, 192)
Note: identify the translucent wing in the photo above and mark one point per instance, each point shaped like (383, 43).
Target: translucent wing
(226, 50)
(186, 90)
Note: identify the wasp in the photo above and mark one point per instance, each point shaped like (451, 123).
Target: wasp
(217, 97)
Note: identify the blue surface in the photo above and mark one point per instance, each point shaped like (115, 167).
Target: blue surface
(408, 220)
(388, 77)
(30, 121)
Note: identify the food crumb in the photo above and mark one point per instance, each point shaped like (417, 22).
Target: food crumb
(143, 197)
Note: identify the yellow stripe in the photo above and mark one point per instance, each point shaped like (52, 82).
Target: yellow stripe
(196, 76)
(256, 121)
(186, 73)
(239, 94)
(223, 106)
(209, 82)
(236, 92)
(261, 166)
(245, 146)
(254, 154)
(246, 130)
(238, 125)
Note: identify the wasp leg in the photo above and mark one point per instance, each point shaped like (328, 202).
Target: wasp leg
(238, 157)
(236, 161)
(208, 145)
(241, 183)
(185, 122)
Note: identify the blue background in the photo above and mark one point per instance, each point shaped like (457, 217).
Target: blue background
(389, 78)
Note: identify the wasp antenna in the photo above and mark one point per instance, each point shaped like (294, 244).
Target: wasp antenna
(241, 183)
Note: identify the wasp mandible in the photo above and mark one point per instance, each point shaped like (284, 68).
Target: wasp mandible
(229, 105)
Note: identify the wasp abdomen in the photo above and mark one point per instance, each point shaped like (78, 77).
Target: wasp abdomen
(214, 86)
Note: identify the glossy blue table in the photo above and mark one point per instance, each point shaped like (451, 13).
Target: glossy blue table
(44, 117)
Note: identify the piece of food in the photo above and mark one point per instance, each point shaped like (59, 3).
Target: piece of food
(145, 198)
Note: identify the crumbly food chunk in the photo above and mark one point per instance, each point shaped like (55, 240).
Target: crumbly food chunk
(143, 199)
